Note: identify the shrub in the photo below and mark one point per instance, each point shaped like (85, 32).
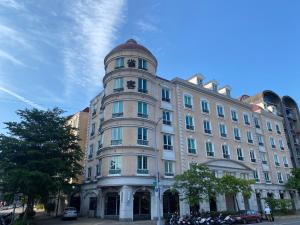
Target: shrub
(280, 206)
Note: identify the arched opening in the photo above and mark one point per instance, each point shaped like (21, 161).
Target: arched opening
(112, 205)
(75, 201)
(213, 203)
(142, 205)
(170, 202)
(230, 203)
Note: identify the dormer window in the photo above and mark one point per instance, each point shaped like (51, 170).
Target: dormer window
(143, 65)
(214, 87)
(228, 92)
(119, 63)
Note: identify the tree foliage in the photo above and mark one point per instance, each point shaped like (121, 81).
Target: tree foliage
(294, 181)
(39, 154)
(197, 183)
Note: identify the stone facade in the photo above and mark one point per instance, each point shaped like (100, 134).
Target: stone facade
(186, 121)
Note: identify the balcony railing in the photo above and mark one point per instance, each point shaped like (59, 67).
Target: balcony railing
(141, 90)
(114, 171)
(241, 158)
(168, 147)
(142, 115)
(90, 156)
(114, 115)
(210, 154)
(167, 122)
(142, 142)
(116, 142)
(264, 162)
(250, 141)
(223, 135)
(257, 126)
(234, 119)
(142, 171)
(261, 144)
(188, 106)
(221, 115)
(169, 174)
(286, 165)
(226, 156)
(273, 146)
(237, 138)
(118, 89)
(166, 99)
(253, 160)
(98, 152)
(205, 111)
(277, 164)
(247, 123)
(192, 150)
(190, 127)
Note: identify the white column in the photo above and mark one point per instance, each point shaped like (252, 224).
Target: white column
(262, 198)
(184, 207)
(99, 204)
(204, 206)
(240, 201)
(221, 202)
(253, 201)
(126, 204)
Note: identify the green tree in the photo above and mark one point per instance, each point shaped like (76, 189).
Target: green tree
(39, 154)
(230, 185)
(197, 184)
(294, 181)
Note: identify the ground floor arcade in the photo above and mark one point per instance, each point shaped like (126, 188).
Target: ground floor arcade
(133, 202)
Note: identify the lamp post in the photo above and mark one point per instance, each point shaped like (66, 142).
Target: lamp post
(157, 188)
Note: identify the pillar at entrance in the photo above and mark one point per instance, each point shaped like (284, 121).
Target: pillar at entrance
(184, 208)
(253, 202)
(126, 204)
(240, 201)
(99, 211)
(204, 206)
(221, 203)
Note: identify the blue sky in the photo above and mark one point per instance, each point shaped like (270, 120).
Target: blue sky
(51, 52)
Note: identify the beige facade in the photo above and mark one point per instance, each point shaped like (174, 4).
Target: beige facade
(187, 121)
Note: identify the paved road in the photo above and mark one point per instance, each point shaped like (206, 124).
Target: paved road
(294, 220)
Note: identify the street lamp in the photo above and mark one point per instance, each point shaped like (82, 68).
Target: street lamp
(157, 189)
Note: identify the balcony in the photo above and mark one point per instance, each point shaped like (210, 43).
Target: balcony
(207, 131)
(167, 122)
(191, 150)
(234, 119)
(190, 127)
(247, 122)
(226, 156)
(241, 158)
(261, 144)
(118, 89)
(210, 154)
(257, 126)
(169, 174)
(166, 99)
(253, 160)
(168, 147)
(264, 162)
(142, 90)
(142, 142)
(277, 164)
(92, 134)
(273, 146)
(142, 115)
(205, 111)
(116, 142)
(237, 138)
(257, 180)
(223, 135)
(250, 141)
(270, 129)
(142, 171)
(221, 115)
(115, 115)
(114, 171)
(188, 106)
(278, 132)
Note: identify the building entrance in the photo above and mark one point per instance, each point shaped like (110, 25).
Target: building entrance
(142, 206)
(112, 205)
(170, 203)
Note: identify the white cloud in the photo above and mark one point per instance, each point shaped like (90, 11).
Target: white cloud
(5, 55)
(21, 98)
(12, 4)
(146, 26)
(88, 40)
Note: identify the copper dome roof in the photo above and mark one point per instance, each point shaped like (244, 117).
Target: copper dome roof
(130, 44)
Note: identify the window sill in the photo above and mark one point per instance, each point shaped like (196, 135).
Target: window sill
(114, 175)
(143, 175)
(208, 134)
(192, 154)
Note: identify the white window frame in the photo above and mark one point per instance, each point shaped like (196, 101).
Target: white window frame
(254, 156)
(203, 100)
(195, 145)
(236, 113)
(164, 90)
(117, 165)
(249, 120)
(242, 153)
(217, 110)
(225, 129)
(228, 150)
(116, 135)
(193, 123)
(207, 122)
(191, 101)
(238, 132)
(212, 148)
(170, 169)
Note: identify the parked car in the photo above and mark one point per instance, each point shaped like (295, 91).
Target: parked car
(70, 213)
(245, 216)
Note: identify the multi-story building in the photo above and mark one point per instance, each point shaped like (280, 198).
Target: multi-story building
(287, 108)
(140, 120)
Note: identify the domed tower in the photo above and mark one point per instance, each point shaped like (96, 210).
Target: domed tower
(128, 121)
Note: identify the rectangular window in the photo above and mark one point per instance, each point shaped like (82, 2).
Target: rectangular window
(209, 149)
(100, 145)
(257, 123)
(168, 142)
(252, 156)
(189, 121)
(223, 130)
(98, 169)
(89, 173)
(263, 158)
(207, 127)
(276, 160)
(118, 84)
(285, 161)
(115, 165)
(205, 106)
(280, 178)
(91, 151)
(260, 140)
(188, 101)
(93, 129)
(246, 119)
(220, 111)
(267, 177)
(240, 154)
(225, 150)
(167, 118)
(236, 132)
(142, 137)
(256, 176)
(116, 136)
(234, 116)
(169, 170)
(269, 126)
(165, 95)
(278, 129)
(142, 110)
(142, 164)
(142, 85)
(117, 109)
(281, 144)
(272, 142)
(249, 137)
(143, 65)
(191, 145)
(119, 63)
(94, 110)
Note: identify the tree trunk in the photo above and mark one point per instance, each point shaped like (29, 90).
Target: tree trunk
(29, 208)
